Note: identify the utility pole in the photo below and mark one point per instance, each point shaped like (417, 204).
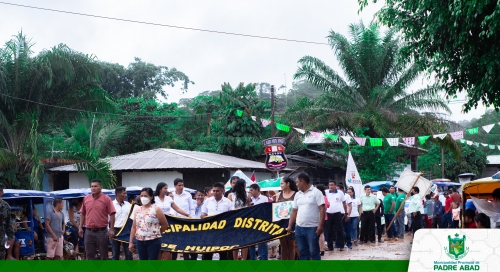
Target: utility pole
(272, 112)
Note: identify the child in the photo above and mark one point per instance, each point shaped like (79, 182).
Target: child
(456, 215)
(469, 219)
(482, 221)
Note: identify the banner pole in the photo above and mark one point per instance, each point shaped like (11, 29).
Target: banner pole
(400, 207)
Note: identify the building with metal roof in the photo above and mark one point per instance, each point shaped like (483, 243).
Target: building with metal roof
(148, 168)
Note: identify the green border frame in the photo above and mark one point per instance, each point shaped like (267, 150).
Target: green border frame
(208, 266)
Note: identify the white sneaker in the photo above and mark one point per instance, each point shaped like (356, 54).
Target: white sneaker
(199, 257)
(216, 256)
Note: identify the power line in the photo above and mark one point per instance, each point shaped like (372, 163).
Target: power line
(192, 116)
(163, 25)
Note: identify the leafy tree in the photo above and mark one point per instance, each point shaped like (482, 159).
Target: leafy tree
(58, 76)
(239, 136)
(471, 160)
(141, 79)
(373, 97)
(493, 137)
(455, 40)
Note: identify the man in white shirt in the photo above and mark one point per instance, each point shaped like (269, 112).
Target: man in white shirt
(257, 198)
(309, 212)
(214, 205)
(337, 212)
(182, 199)
(122, 208)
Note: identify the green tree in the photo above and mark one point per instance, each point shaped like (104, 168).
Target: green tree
(491, 138)
(239, 136)
(141, 79)
(455, 40)
(58, 76)
(373, 97)
(472, 160)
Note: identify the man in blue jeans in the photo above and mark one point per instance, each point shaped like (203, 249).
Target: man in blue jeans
(309, 212)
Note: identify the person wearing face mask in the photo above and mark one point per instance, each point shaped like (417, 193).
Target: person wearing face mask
(149, 223)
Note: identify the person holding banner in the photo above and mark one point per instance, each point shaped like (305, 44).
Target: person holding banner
(368, 208)
(414, 209)
(309, 213)
(400, 217)
(148, 225)
(166, 203)
(240, 200)
(257, 198)
(389, 204)
(288, 192)
(122, 208)
(215, 205)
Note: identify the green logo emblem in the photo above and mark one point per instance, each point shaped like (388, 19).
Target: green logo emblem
(456, 247)
(283, 210)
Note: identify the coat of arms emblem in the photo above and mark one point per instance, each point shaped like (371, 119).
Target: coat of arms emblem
(456, 247)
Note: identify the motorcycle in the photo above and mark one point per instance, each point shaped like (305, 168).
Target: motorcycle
(70, 242)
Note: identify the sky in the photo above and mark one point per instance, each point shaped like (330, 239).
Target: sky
(209, 59)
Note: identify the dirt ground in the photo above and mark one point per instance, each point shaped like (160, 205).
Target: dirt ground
(399, 250)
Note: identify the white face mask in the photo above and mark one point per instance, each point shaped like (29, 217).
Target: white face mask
(145, 200)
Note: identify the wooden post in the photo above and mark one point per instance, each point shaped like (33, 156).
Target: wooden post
(400, 207)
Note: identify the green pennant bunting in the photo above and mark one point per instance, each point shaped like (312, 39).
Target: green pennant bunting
(376, 141)
(282, 127)
(492, 146)
(473, 130)
(476, 144)
(332, 137)
(239, 113)
(422, 139)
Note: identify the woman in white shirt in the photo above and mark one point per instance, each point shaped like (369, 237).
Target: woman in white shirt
(165, 203)
(354, 215)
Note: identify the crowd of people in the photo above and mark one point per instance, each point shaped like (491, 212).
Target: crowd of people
(322, 219)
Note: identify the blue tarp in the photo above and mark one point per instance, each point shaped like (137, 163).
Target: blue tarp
(80, 192)
(13, 193)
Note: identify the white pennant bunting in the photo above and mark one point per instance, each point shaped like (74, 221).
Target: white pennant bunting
(484, 144)
(393, 141)
(499, 147)
(254, 118)
(469, 142)
(488, 128)
(440, 136)
(347, 139)
(301, 131)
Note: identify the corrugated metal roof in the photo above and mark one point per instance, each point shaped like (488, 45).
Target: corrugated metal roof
(493, 159)
(163, 158)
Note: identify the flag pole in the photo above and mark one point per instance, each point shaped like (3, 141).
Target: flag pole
(401, 206)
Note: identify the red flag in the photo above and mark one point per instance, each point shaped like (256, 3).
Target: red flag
(253, 176)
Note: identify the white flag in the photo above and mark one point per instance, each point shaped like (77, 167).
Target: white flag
(254, 118)
(484, 144)
(347, 139)
(440, 136)
(301, 131)
(469, 142)
(488, 128)
(393, 141)
(408, 178)
(352, 177)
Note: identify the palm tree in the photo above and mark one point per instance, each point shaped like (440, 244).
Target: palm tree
(372, 100)
(29, 87)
